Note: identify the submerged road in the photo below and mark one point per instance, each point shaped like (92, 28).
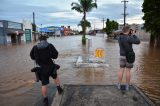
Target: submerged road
(18, 88)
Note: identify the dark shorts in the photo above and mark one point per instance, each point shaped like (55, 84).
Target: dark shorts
(46, 72)
(124, 63)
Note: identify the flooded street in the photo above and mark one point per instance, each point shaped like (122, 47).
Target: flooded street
(18, 88)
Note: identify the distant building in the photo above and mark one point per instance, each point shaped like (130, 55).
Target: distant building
(51, 30)
(57, 31)
(120, 27)
(140, 31)
(67, 31)
(10, 32)
(27, 27)
(96, 32)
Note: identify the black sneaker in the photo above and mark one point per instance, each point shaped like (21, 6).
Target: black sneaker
(123, 87)
(45, 101)
(60, 90)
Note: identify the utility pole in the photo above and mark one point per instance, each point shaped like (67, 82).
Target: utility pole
(103, 26)
(34, 27)
(125, 11)
(103, 22)
(33, 18)
(41, 29)
(94, 30)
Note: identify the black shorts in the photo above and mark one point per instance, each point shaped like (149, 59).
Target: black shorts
(46, 72)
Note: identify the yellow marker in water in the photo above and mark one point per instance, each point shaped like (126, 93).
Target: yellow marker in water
(100, 53)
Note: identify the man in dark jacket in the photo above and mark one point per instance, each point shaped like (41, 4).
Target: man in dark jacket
(125, 43)
(43, 53)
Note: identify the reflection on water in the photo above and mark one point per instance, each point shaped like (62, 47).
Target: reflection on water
(92, 75)
(16, 80)
(147, 71)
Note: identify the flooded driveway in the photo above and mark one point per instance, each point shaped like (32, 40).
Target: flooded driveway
(18, 88)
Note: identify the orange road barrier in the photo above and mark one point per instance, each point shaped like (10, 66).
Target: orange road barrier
(100, 53)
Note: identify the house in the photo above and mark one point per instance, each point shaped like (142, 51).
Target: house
(10, 32)
(139, 31)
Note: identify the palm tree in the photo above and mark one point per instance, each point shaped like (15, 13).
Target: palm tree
(84, 6)
(84, 24)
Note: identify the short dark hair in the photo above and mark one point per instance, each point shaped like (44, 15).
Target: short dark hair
(43, 37)
(126, 29)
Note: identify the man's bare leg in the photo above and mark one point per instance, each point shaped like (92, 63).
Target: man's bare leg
(128, 77)
(45, 94)
(44, 91)
(57, 82)
(120, 76)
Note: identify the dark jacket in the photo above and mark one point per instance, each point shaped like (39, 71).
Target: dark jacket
(125, 43)
(43, 53)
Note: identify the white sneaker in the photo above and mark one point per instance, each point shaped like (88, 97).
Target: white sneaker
(119, 86)
(127, 87)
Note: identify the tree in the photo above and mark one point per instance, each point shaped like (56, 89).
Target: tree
(84, 24)
(84, 6)
(151, 9)
(110, 26)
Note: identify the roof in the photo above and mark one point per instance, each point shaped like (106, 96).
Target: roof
(13, 31)
(45, 30)
(117, 31)
(50, 29)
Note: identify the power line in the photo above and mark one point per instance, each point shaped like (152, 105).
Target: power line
(124, 15)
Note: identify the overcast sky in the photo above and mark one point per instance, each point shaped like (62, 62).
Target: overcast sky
(58, 12)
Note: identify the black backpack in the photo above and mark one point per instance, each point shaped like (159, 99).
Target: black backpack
(43, 55)
(130, 56)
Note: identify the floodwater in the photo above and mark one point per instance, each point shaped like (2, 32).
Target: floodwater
(18, 88)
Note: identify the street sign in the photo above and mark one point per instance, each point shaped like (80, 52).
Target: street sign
(100, 53)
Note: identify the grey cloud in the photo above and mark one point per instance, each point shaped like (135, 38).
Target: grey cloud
(16, 10)
(27, 8)
(115, 11)
(49, 20)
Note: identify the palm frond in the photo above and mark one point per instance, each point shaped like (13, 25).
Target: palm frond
(88, 5)
(77, 7)
(75, 4)
(91, 6)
